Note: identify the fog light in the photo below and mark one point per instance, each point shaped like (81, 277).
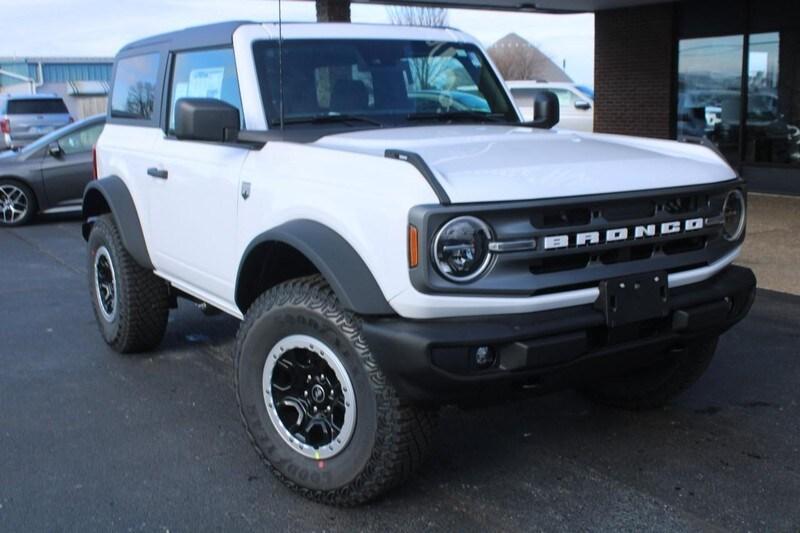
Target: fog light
(484, 357)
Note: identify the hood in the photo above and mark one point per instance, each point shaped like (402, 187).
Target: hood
(490, 163)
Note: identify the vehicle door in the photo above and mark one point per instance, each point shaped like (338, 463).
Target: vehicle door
(67, 165)
(576, 111)
(194, 186)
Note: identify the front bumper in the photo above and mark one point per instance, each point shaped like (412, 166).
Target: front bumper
(431, 361)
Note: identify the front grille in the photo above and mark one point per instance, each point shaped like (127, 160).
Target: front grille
(599, 218)
(574, 266)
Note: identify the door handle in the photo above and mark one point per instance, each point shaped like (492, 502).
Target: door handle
(156, 173)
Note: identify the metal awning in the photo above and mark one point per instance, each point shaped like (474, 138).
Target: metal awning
(87, 88)
(541, 6)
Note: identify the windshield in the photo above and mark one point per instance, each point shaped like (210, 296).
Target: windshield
(376, 83)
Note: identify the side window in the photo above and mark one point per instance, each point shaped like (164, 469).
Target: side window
(565, 97)
(204, 74)
(135, 81)
(81, 140)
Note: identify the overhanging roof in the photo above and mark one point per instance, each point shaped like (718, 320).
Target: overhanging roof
(541, 6)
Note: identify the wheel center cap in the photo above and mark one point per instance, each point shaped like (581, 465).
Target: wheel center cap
(317, 393)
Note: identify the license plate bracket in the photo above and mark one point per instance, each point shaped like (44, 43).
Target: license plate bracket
(635, 298)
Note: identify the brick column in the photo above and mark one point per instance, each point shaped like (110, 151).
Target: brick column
(333, 10)
(634, 71)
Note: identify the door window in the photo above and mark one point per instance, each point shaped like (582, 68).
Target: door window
(133, 96)
(204, 74)
(81, 140)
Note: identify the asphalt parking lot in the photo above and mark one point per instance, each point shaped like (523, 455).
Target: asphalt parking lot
(90, 440)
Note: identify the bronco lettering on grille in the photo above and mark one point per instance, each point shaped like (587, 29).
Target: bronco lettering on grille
(589, 238)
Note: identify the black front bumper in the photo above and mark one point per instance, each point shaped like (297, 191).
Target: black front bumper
(432, 361)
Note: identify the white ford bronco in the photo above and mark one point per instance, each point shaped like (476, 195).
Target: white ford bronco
(369, 202)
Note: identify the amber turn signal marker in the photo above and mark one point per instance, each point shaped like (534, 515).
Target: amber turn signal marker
(413, 247)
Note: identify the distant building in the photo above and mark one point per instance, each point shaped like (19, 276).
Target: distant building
(83, 83)
(518, 59)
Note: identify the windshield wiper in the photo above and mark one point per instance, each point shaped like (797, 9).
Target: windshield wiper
(329, 119)
(459, 116)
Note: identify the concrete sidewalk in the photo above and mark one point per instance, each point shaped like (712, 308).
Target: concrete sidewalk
(771, 247)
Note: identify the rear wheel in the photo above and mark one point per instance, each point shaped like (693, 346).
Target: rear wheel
(316, 406)
(17, 203)
(655, 385)
(131, 303)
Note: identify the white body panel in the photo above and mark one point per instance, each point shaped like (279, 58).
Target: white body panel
(200, 200)
(499, 163)
(197, 225)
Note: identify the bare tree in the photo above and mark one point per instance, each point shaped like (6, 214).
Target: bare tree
(425, 69)
(434, 17)
(517, 59)
(140, 99)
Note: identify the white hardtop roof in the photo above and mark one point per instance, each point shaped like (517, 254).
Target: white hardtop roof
(333, 30)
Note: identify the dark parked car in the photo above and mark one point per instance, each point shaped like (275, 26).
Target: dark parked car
(25, 118)
(49, 174)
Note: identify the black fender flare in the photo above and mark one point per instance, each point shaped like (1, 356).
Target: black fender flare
(336, 260)
(110, 194)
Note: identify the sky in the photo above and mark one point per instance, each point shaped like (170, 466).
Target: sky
(101, 27)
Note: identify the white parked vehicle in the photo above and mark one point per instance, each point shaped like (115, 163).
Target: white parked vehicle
(393, 243)
(576, 102)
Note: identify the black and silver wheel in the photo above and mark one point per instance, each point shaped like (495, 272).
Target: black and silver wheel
(17, 203)
(130, 303)
(309, 396)
(316, 406)
(105, 284)
(653, 386)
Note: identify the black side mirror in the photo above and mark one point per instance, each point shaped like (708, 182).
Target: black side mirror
(546, 110)
(205, 119)
(54, 149)
(583, 105)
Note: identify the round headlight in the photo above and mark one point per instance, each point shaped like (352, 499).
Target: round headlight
(461, 249)
(733, 215)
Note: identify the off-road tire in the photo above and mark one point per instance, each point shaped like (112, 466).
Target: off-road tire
(33, 205)
(390, 439)
(142, 298)
(654, 386)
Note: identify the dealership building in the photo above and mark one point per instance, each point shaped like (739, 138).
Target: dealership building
(81, 82)
(727, 70)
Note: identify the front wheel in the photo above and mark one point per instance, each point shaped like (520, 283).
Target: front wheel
(316, 406)
(655, 385)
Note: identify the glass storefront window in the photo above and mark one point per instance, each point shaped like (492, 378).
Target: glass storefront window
(773, 102)
(709, 90)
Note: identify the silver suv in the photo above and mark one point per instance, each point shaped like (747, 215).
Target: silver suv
(25, 118)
